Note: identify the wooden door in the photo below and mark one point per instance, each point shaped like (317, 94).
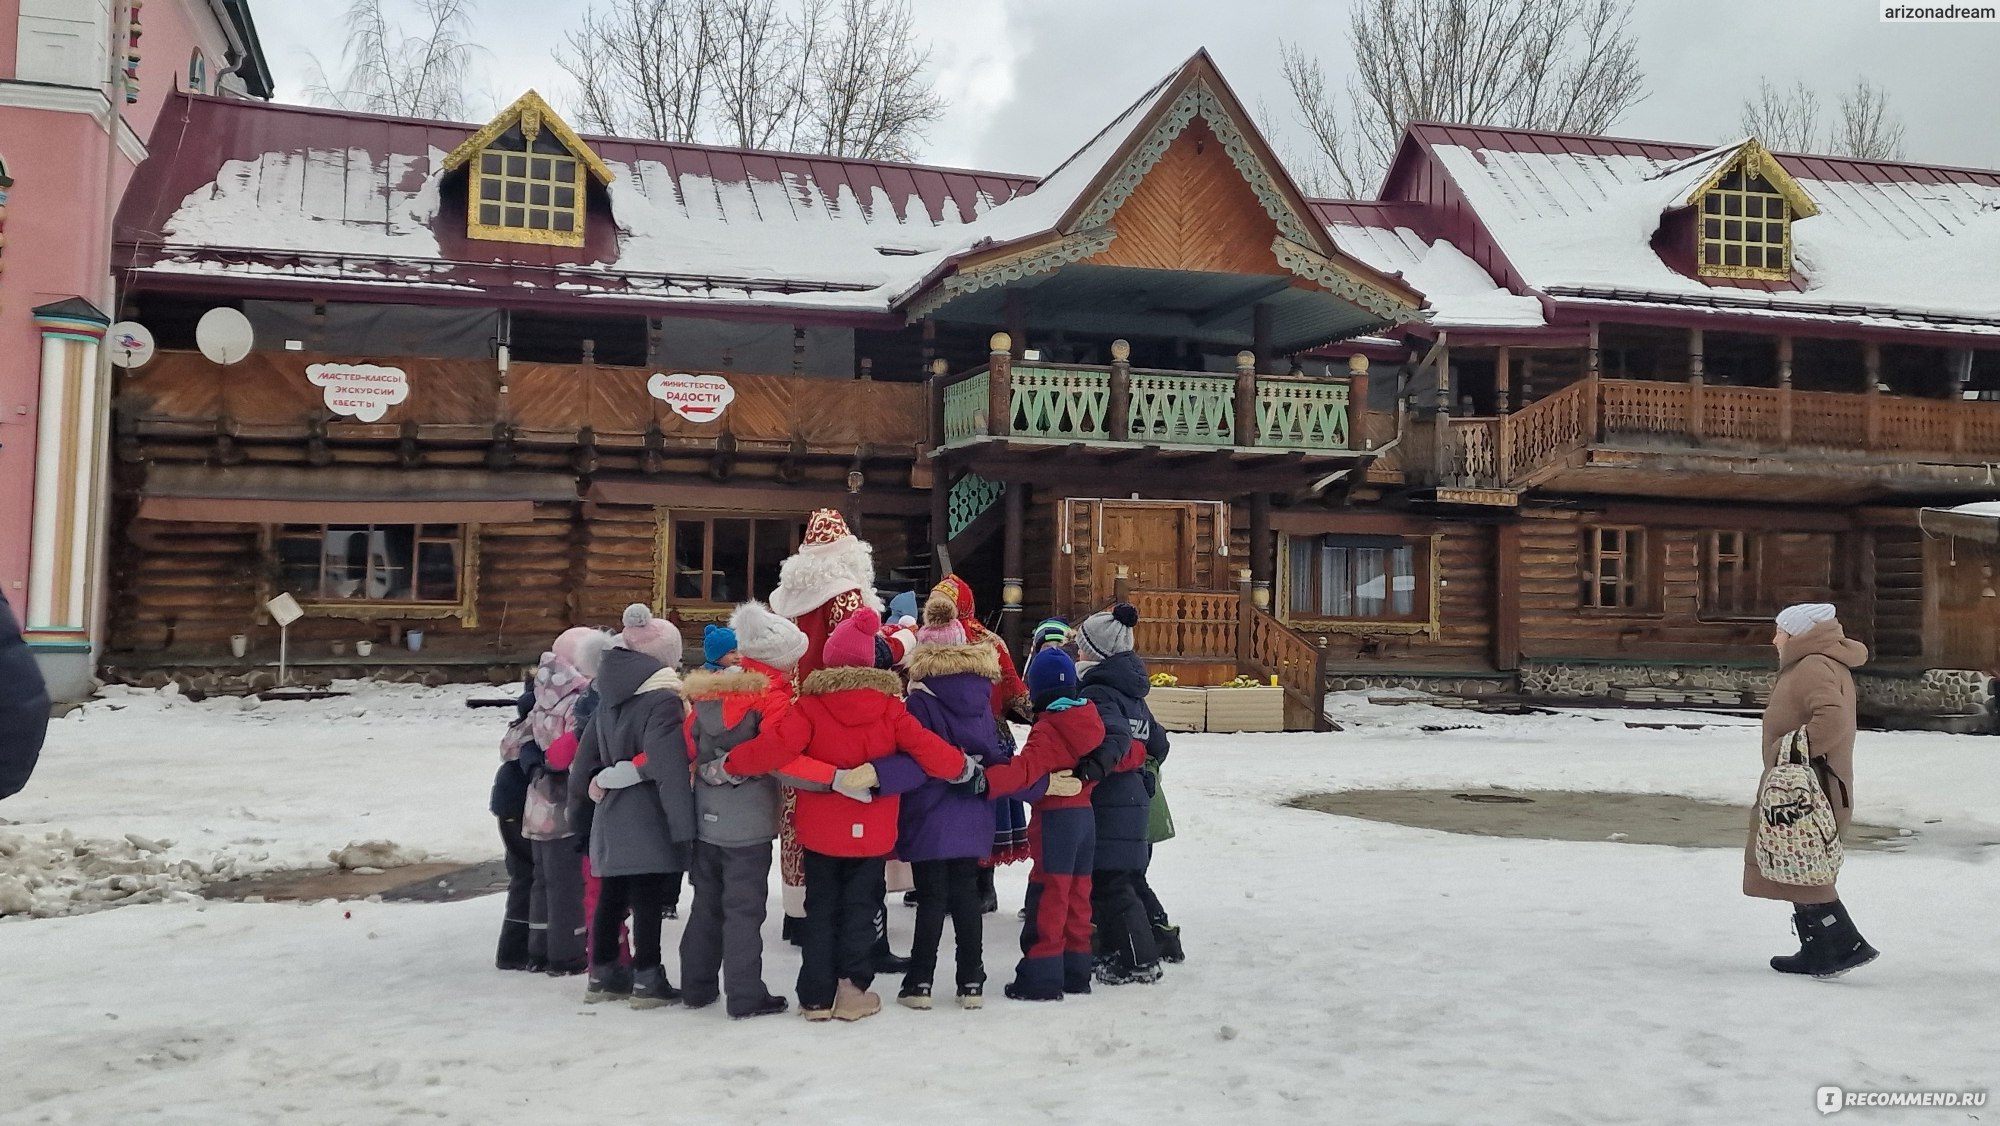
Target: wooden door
(1153, 542)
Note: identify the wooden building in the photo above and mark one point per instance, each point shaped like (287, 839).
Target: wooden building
(1554, 414)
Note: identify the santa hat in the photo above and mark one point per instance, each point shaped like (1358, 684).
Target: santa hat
(852, 643)
(655, 637)
(940, 626)
(829, 563)
(767, 638)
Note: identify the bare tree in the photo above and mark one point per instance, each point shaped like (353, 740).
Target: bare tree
(843, 77)
(1791, 120)
(1570, 65)
(388, 69)
(1867, 129)
(1788, 120)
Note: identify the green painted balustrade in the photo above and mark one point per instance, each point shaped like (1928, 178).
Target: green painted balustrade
(1168, 408)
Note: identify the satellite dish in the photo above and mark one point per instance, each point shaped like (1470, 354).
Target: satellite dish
(224, 335)
(131, 344)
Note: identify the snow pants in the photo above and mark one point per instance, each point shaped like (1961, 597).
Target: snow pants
(723, 943)
(1055, 939)
(521, 942)
(843, 893)
(556, 903)
(947, 887)
(1124, 930)
(642, 897)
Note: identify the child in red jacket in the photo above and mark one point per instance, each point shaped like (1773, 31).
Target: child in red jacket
(849, 714)
(1062, 837)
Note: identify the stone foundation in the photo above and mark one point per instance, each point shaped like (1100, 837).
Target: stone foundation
(197, 682)
(1591, 680)
(1469, 687)
(1933, 692)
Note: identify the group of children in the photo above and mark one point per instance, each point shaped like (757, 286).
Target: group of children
(620, 775)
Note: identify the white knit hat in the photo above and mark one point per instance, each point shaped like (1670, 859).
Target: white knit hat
(1802, 617)
(767, 637)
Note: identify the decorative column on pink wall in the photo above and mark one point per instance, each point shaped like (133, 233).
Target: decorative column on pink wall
(63, 539)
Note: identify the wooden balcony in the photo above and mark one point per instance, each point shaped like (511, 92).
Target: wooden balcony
(1686, 439)
(1024, 419)
(267, 397)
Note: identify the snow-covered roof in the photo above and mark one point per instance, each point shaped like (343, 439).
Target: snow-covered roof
(287, 193)
(1460, 293)
(1893, 245)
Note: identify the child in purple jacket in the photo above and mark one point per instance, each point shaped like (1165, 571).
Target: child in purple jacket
(944, 831)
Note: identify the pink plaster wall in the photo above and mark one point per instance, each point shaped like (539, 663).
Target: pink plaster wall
(57, 233)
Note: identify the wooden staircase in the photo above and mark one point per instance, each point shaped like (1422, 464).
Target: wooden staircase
(1223, 627)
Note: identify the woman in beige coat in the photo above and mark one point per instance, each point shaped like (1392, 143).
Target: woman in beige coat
(1815, 690)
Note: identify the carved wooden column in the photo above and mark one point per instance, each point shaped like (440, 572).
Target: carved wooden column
(1263, 547)
(1016, 313)
(1503, 434)
(1593, 374)
(1000, 386)
(1871, 363)
(1245, 431)
(1358, 437)
(1503, 378)
(1697, 376)
(1784, 392)
(939, 477)
(1118, 420)
(1961, 374)
(1441, 415)
(1015, 501)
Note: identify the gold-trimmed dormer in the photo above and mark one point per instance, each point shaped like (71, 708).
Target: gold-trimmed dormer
(1745, 210)
(526, 177)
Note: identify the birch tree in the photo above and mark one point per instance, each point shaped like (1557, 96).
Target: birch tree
(841, 77)
(418, 71)
(1568, 65)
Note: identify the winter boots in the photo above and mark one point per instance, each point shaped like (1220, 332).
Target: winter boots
(1018, 992)
(851, 1002)
(608, 983)
(1829, 944)
(972, 996)
(1111, 969)
(768, 1007)
(651, 989)
(1167, 937)
(915, 997)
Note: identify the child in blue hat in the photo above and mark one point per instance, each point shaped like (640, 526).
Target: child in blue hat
(718, 649)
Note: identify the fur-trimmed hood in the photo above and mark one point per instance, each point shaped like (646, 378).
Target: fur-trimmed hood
(930, 661)
(704, 685)
(829, 681)
(817, 575)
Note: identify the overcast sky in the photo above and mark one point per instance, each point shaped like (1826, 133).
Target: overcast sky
(1030, 80)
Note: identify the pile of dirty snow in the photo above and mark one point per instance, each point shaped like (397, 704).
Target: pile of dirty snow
(63, 874)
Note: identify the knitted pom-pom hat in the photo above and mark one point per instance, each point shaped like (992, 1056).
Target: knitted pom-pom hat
(1051, 675)
(852, 644)
(940, 626)
(1108, 633)
(717, 642)
(764, 636)
(655, 637)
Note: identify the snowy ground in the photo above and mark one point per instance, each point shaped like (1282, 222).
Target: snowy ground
(1339, 970)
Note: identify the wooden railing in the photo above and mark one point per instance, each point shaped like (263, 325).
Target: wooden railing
(1300, 666)
(1510, 451)
(1119, 403)
(267, 395)
(1186, 624)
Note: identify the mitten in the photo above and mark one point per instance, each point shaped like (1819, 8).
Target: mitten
(715, 774)
(1089, 770)
(858, 783)
(596, 791)
(1064, 784)
(971, 768)
(972, 787)
(617, 776)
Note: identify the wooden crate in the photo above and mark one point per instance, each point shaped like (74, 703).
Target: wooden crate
(1179, 709)
(1246, 709)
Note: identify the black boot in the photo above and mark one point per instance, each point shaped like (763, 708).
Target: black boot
(886, 960)
(793, 931)
(651, 989)
(989, 899)
(1167, 937)
(1829, 944)
(609, 982)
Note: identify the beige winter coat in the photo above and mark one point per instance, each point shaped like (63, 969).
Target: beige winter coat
(1815, 690)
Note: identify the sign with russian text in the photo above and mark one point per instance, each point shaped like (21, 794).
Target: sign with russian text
(697, 398)
(360, 391)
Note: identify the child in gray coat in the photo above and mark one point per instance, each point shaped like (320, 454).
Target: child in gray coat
(633, 757)
(738, 817)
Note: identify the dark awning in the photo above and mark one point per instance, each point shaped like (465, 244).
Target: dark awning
(277, 494)
(1978, 525)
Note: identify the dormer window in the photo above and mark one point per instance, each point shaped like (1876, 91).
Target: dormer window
(1746, 213)
(1746, 225)
(527, 177)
